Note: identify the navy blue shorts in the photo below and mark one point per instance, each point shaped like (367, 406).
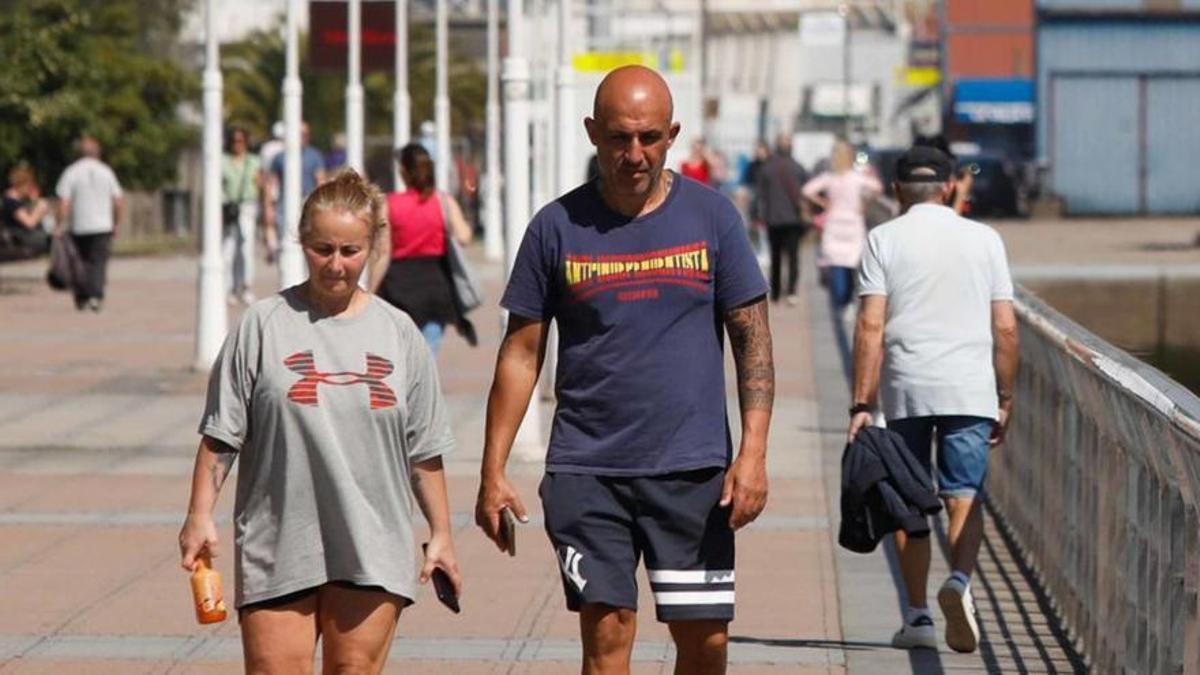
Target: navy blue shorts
(601, 526)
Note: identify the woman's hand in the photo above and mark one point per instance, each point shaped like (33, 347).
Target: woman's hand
(439, 553)
(198, 534)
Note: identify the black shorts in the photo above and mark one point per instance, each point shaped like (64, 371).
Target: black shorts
(600, 526)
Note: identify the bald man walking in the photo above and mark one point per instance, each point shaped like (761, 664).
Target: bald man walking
(644, 271)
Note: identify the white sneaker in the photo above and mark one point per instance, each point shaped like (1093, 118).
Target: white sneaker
(962, 629)
(918, 633)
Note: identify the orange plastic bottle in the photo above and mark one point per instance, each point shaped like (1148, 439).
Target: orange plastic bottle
(206, 592)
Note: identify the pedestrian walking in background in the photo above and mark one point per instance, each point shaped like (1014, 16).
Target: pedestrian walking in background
(312, 174)
(785, 213)
(270, 148)
(748, 202)
(22, 214)
(413, 273)
(841, 192)
(936, 344)
(640, 270)
(89, 209)
(700, 164)
(241, 180)
(331, 399)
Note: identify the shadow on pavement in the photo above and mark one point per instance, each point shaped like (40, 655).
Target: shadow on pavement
(802, 643)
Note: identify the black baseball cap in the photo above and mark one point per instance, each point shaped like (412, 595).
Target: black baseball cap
(924, 164)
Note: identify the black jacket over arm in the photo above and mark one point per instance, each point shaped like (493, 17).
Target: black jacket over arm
(884, 489)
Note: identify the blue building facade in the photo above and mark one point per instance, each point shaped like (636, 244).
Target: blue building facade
(1118, 90)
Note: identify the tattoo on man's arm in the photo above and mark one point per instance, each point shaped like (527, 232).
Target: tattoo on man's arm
(750, 339)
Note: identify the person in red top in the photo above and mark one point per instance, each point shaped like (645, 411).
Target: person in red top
(416, 279)
(699, 164)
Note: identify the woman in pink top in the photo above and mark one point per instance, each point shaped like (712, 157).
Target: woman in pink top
(416, 279)
(841, 192)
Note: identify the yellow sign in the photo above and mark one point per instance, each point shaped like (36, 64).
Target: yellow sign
(602, 62)
(918, 77)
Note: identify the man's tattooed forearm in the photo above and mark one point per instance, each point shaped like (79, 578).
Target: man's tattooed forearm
(750, 339)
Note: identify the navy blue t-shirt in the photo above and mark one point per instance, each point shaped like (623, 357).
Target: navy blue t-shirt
(640, 305)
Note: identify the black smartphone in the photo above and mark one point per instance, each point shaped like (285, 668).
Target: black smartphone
(443, 587)
(508, 531)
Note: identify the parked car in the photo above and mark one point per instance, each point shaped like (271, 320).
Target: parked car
(998, 187)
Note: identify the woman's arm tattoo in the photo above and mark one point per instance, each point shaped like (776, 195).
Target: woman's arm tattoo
(750, 339)
(221, 467)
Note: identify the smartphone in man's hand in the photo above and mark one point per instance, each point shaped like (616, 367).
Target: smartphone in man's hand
(508, 531)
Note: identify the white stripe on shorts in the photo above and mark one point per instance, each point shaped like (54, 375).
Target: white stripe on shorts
(694, 598)
(691, 576)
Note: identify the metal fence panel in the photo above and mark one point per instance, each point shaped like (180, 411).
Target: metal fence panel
(1099, 483)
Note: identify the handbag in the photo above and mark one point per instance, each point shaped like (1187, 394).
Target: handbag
(231, 210)
(467, 294)
(66, 267)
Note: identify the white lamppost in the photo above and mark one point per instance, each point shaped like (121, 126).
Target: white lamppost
(515, 77)
(291, 264)
(441, 100)
(493, 243)
(402, 104)
(354, 90)
(210, 290)
(566, 125)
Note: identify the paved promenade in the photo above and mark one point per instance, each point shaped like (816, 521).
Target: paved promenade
(97, 435)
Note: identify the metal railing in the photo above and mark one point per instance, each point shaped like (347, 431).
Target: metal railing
(1100, 484)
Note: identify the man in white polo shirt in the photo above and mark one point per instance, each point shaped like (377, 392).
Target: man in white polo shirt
(90, 202)
(937, 319)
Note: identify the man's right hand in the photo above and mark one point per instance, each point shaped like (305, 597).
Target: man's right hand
(1000, 427)
(495, 495)
(857, 422)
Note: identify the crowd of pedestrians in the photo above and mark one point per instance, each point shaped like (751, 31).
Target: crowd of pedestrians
(329, 393)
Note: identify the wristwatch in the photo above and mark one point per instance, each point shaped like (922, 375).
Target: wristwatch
(860, 407)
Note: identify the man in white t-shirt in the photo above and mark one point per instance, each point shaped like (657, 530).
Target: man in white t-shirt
(937, 319)
(90, 203)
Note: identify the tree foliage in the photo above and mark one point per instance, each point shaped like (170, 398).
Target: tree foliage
(253, 71)
(73, 66)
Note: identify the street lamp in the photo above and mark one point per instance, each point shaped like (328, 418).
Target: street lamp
(493, 243)
(441, 101)
(210, 301)
(402, 104)
(515, 77)
(291, 264)
(565, 121)
(354, 89)
(844, 12)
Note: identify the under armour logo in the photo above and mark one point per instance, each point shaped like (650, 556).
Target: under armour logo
(304, 392)
(570, 567)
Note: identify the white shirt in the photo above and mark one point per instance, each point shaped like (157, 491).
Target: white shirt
(940, 273)
(92, 187)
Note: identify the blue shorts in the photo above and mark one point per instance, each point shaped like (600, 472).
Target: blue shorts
(962, 449)
(600, 526)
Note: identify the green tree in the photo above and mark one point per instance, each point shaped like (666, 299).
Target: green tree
(74, 66)
(253, 70)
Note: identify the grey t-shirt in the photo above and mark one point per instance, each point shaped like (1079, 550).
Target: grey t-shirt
(328, 416)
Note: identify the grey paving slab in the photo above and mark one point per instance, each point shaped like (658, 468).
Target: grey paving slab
(449, 650)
